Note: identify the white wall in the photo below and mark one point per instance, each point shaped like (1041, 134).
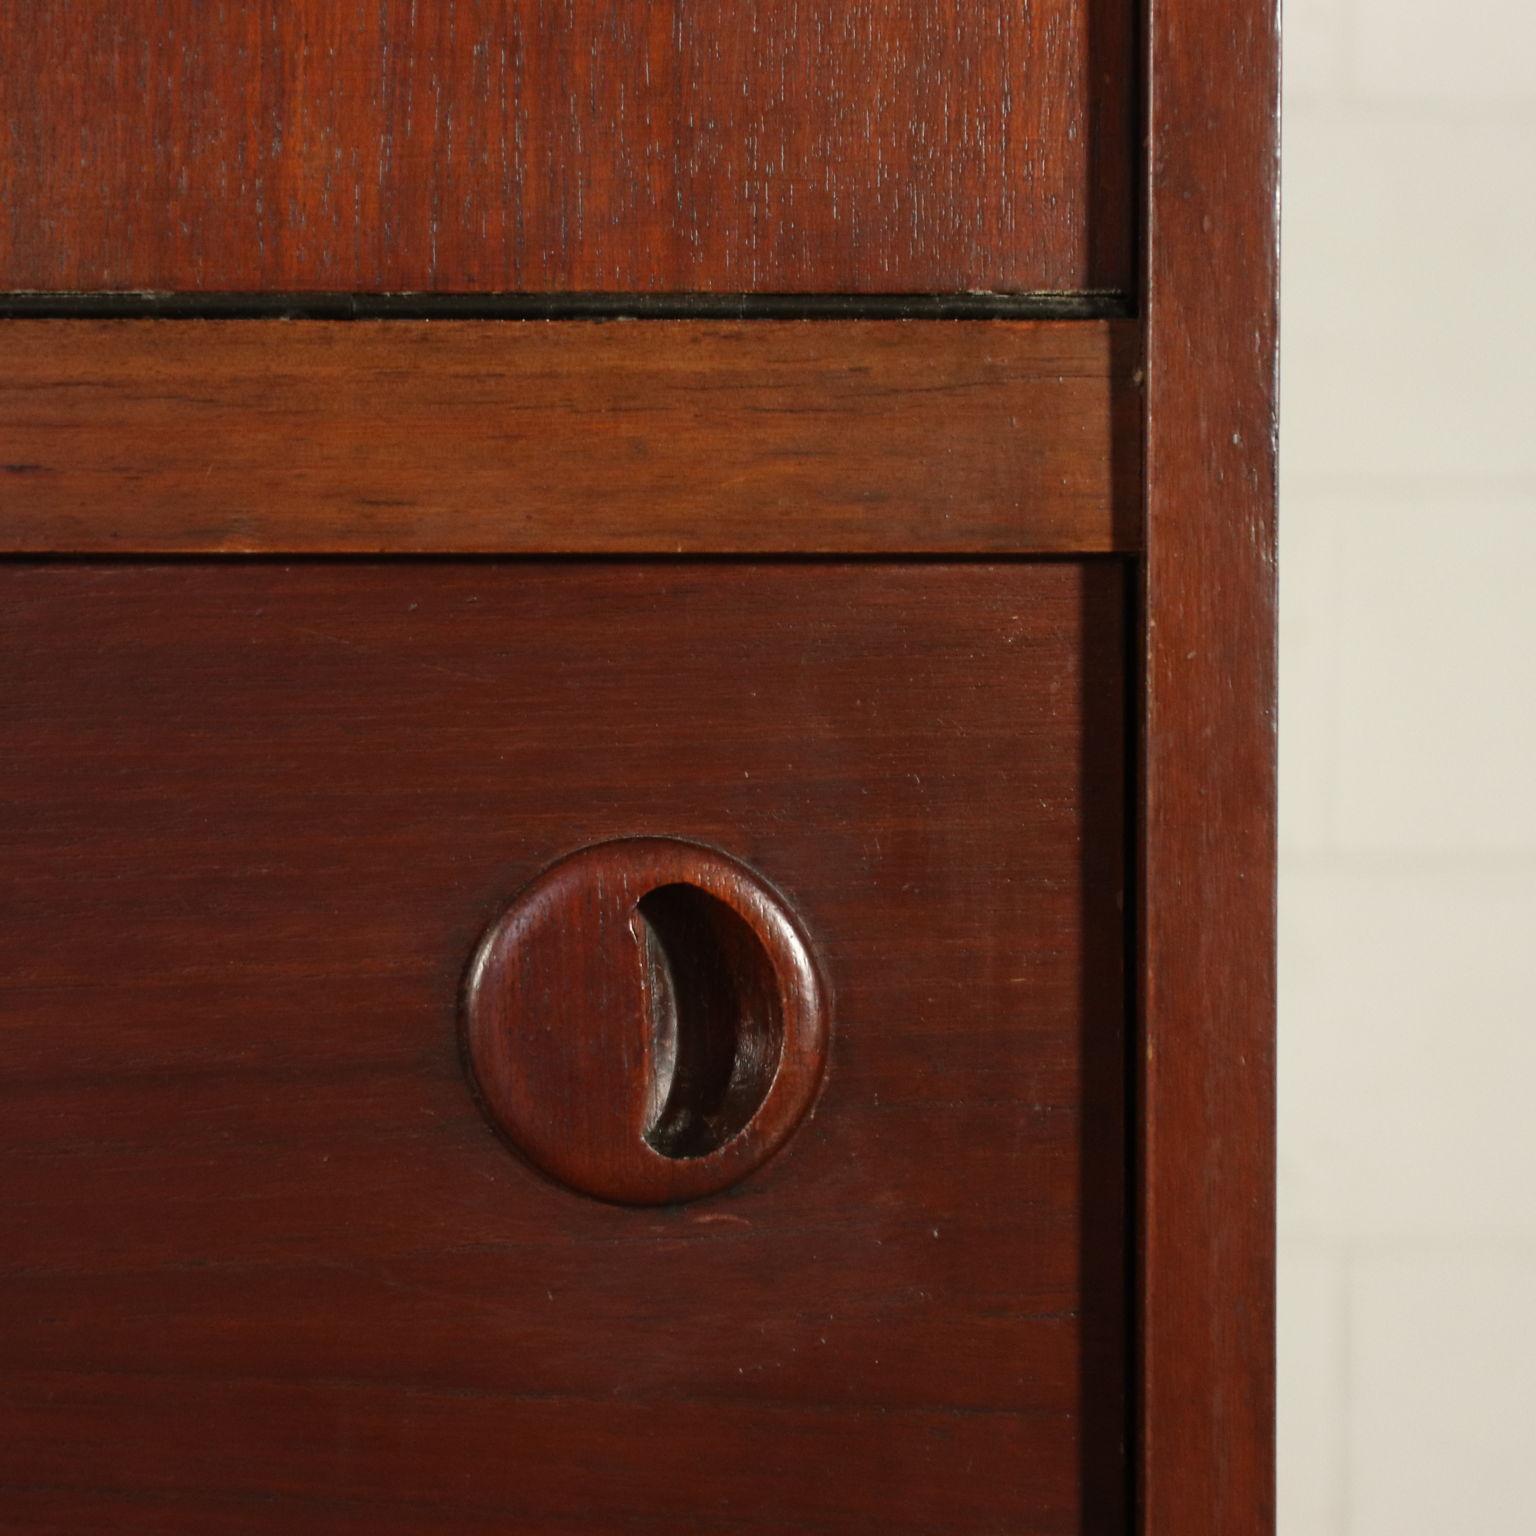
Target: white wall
(1408, 810)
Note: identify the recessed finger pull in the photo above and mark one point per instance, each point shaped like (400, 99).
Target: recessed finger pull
(645, 1022)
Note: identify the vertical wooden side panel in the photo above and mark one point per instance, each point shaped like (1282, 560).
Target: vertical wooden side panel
(1208, 919)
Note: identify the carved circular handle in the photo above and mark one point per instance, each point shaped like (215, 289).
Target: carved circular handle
(645, 1022)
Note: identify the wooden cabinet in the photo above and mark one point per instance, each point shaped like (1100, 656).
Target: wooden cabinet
(636, 826)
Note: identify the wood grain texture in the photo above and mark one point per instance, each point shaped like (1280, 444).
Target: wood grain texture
(1208, 907)
(641, 437)
(609, 145)
(261, 1257)
(645, 1022)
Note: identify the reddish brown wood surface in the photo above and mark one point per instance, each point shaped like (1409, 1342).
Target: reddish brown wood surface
(263, 1263)
(453, 437)
(747, 145)
(1208, 859)
(646, 1022)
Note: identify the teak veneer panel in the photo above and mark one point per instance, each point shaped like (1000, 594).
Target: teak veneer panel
(859, 146)
(570, 437)
(259, 1248)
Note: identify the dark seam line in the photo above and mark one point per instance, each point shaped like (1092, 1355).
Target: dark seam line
(129, 557)
(565, 306)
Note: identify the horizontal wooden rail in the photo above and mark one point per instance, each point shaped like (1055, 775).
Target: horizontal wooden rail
(491, 437)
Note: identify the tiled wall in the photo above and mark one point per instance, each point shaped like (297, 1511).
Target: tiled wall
(1408, 771)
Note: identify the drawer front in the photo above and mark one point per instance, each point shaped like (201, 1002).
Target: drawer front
(636, 146)
(262, 1250)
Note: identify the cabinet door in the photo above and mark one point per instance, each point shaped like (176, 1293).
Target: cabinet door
(591, 146)
(266, 1260)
